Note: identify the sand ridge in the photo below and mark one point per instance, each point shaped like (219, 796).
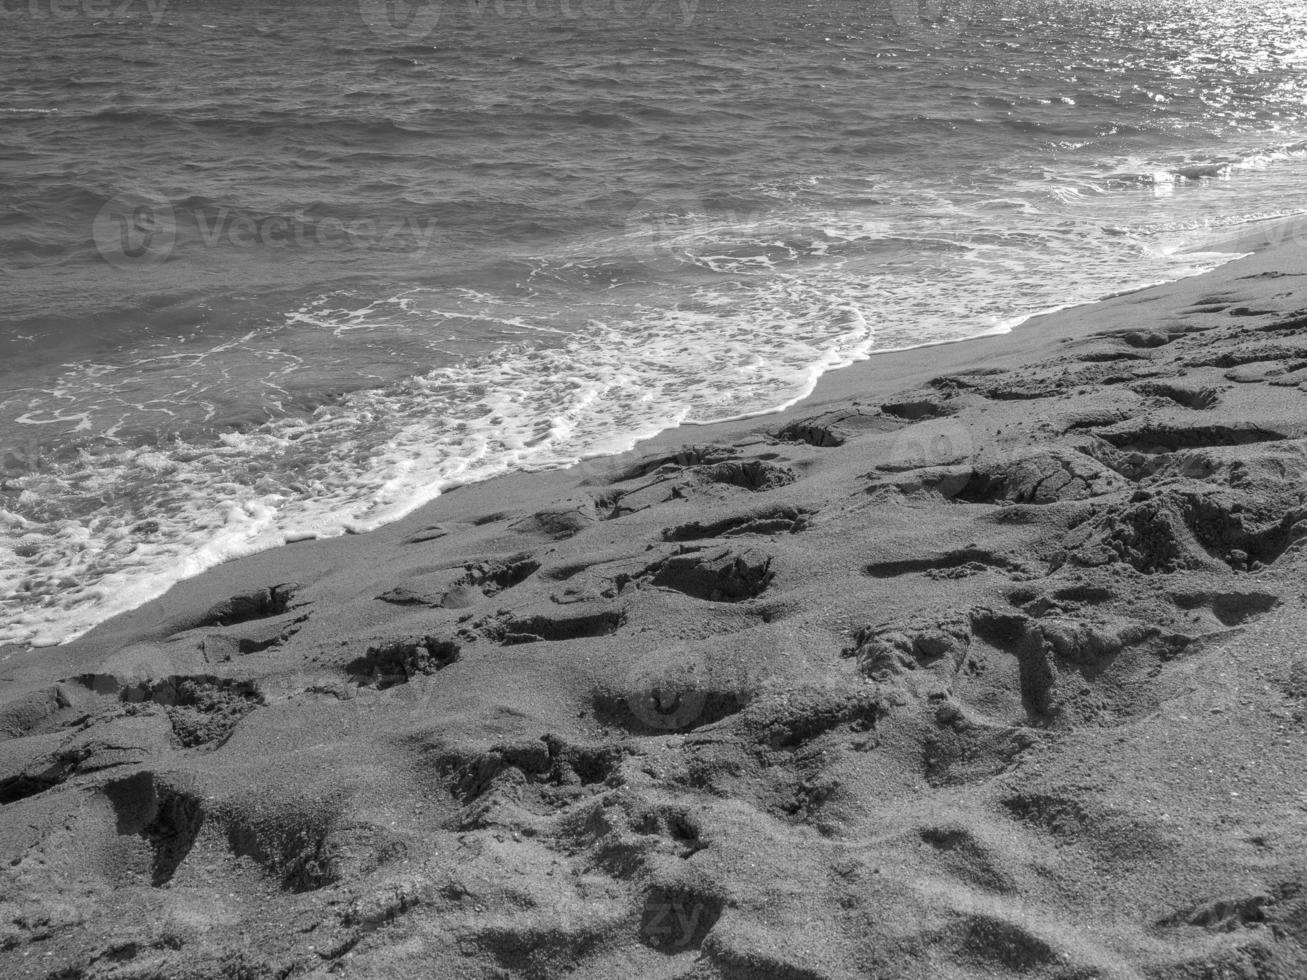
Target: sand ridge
(993, 670)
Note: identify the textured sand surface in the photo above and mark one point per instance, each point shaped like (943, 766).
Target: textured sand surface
(986, 661)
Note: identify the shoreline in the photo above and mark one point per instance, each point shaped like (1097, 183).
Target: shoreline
(861, 379)
(1230, 246)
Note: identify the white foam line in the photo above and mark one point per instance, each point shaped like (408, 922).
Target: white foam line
(1005, 326)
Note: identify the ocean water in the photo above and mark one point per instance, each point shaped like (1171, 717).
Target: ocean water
(285, 268)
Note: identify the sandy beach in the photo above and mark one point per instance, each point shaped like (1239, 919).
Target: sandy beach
(984, 661)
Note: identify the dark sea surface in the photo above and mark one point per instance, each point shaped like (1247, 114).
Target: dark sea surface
(286, 268)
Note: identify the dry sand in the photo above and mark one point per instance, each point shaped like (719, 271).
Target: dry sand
(985, 661)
